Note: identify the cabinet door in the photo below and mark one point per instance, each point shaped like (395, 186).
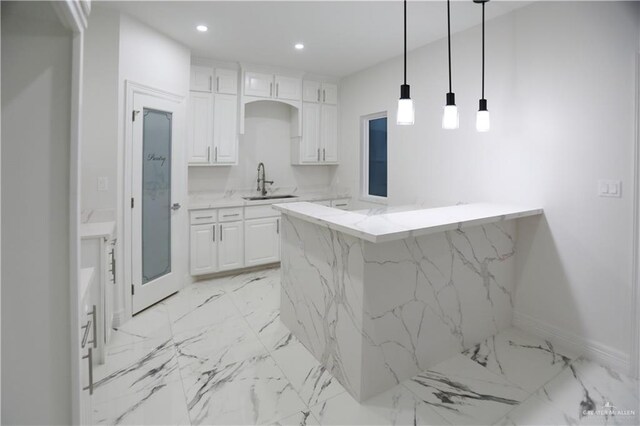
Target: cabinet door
(262, 241)
(329, 93)
(231, 246)
(199, 127)
(201, 79)
(225, 129)
(311, 91)
(288, 88)
(256, 84)
(203, 249)
(310, 143)
(329, 133)
(226, 81)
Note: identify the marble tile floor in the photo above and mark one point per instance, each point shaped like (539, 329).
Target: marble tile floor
(216, 353)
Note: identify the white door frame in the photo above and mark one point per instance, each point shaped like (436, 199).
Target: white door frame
(634, 363)
(131, 89)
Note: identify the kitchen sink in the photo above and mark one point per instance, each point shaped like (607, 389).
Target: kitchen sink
(269, 197)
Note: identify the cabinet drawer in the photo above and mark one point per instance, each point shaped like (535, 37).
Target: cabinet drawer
(230, 214)
(199, 217)
(256, 212)
(342, 203)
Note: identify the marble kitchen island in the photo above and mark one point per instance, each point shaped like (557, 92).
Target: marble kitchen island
(378, 296)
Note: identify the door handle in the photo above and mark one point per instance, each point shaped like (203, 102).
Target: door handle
(277, 226)
(220, 232)
(318, 154)
(216, 154)
(318, 95)
(214, 232)
(210, 84)
(89, 358)
(208, 154)
(176, 206)
(270, 89)
(217, 84)
(324, 95)
(324, 155)
(94, 340)
(277, 89)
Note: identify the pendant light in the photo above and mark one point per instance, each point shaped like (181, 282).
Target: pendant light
(406, 110)
(483, 123)
(450, 118)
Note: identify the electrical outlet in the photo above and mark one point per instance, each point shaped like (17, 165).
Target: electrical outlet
(103, 183)
(610, 188)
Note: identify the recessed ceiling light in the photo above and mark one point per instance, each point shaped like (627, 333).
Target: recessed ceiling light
(202, 28)
(299, 46)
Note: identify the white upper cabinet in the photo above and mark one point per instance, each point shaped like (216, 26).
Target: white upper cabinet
(201, 79)
(212, 121)
(329, 133)
(272, 86)
(325, 93)
(258, 84)
(329, 93)
(319, 141)
(199, 129)
(288, 88)
(310, 143)
(225, 129)
(311, 91)
(226, 81)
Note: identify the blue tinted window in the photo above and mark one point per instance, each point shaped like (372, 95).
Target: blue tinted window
(378, 157)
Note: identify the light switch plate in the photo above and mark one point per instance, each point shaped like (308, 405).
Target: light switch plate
(103, 183)
(610, 188)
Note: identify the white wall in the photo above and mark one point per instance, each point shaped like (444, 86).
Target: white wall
(36, 83)
(267, 139)
(560, 86)
(100, 107)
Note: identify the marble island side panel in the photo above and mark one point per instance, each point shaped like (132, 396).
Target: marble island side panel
(375, 314)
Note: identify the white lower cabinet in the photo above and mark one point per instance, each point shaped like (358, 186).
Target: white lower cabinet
(232, 238)
(231, 246)
(204, 249)
(262, 241)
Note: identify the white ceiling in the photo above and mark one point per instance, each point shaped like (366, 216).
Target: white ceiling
(340, 37)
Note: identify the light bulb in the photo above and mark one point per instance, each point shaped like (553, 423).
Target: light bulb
(450, 118)
(406, 112)
(483, 123)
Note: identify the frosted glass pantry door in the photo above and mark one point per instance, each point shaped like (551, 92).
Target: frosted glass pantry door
(153, 212)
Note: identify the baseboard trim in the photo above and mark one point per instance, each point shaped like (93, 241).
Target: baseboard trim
(578, 345)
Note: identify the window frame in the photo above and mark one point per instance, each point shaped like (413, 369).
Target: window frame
(364, 158)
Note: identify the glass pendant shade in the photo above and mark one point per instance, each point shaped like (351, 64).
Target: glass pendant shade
(483, 124)
(406, 112)
(450, 118)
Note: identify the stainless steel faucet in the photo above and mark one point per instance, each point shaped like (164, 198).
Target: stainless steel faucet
(263, 190)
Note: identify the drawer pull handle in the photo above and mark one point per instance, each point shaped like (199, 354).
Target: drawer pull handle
(93, 314)
(89, 358)
(204, 217)
(85, 335)
(341, 205)
(231, 215)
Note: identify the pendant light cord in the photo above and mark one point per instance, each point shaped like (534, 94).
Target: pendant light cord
(405, 42)
(482, 50)
(449, 39)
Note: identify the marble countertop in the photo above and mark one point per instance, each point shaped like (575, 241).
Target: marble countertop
(396, 223)
(97, 230)
(214, 200)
